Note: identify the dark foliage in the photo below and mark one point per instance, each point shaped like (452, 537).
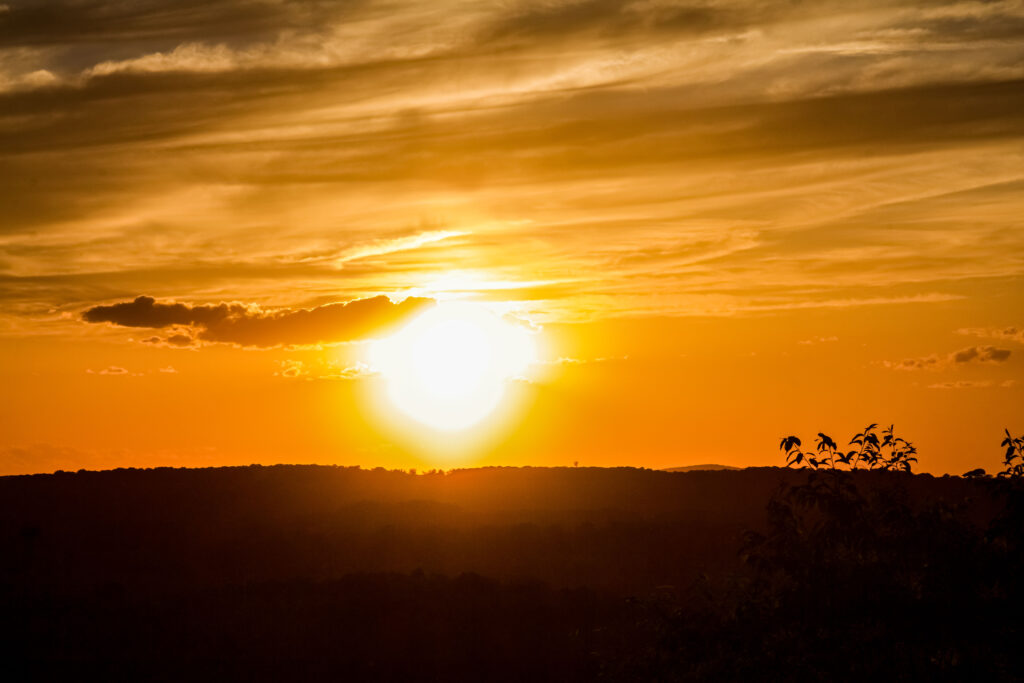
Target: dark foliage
(888, 452)
(856, 583)
(1014, 460)
(858, 579)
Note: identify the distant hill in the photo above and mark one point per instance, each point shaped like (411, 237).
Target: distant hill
(622, 529)
(314, 573)
(696, 468)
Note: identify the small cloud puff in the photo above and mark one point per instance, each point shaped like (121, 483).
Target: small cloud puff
(817, 340)
(297, 369)
(966, 384)
(972, 354)
(118, 370)
(1013, 334)
(111, 370)
(982, 354)
(178, 340)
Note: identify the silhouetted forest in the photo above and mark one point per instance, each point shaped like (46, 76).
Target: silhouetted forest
(327, 573)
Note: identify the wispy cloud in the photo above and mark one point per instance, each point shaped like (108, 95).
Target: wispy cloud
(568, 360)
(384, 247)
(1012, 334)
(972, 354)
(719, 158)
(969, 384)
(109, 370)
(322, 370)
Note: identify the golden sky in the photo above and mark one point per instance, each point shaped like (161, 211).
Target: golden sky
(723, 222)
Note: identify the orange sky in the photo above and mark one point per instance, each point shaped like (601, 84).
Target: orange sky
(724, 221)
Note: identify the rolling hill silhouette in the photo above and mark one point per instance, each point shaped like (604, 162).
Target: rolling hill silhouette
(698, 468)
(316, 573)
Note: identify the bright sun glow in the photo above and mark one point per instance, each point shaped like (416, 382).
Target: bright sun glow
(448, 368)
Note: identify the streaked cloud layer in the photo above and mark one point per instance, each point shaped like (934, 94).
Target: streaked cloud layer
(667, 157)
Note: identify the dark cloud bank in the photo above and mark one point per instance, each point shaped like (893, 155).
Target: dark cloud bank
(248, 325)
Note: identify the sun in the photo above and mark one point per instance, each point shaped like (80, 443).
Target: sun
(448, 368)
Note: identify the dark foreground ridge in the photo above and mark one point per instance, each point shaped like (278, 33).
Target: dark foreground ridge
(328, 573)
(698, 468)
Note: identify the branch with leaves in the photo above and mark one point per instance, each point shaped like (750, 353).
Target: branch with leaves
(873, 451)
(1014, 459)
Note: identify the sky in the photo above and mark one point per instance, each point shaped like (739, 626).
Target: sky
(723, 222)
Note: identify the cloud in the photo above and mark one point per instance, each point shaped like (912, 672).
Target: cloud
(144, 311)
(169, 370)
(291, 368)
(297, 369)
(681, 149)
(357, 371)
(111, 370)
(568, 360)
(519, 321)
(817, 340)
(932, 362)
(968, 384)
(47, 22)
(250, 325)
(1013, 334)
(972, 354)
(179, 340)
(391, 246)
(981, 354)
(962, 384)
(611, 19)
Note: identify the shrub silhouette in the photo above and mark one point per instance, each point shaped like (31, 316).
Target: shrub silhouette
(856, 576)
(1014, 459)
(890, 453)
